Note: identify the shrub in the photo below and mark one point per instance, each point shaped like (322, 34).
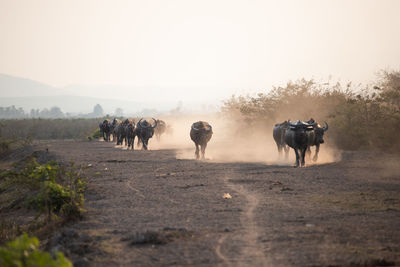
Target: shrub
(24, 251)
(9, 230)
(8, 145)
(55, 198)
(95, 135)
(50, 189)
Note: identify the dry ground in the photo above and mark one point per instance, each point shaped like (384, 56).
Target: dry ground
(148, 208)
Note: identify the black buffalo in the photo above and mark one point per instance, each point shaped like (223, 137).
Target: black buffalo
(120, 132)
(297, 137)
(160, 129)
(113, 127)
(105, 129)
(145, 131)
(200, 133)
(315, 138)
(124, 132)
(279, 137)
(130, 134)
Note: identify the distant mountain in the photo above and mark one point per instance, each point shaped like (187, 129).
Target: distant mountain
(29, 94)
(11, 86)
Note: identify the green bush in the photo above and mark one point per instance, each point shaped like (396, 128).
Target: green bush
(24, 251)
(50, 189)
(8, 145)
(55, 198)
(95, 135)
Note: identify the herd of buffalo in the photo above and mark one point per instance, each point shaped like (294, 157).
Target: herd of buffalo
(299, 135)
(128, 130)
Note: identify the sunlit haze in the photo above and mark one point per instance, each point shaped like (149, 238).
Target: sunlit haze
(188, 50)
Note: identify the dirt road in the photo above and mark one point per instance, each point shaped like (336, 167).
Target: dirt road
(148, 208)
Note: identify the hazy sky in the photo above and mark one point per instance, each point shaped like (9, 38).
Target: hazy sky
(220, 46)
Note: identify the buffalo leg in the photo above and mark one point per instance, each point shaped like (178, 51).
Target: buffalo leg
(279, 150)
(297, 157)
(144, 143)
(286, 148)
(197, 151)
(309, 151)
(315, 158)
(133, 143)
(303, 154)
(203, 150)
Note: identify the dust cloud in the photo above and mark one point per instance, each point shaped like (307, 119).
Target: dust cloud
(231, 143)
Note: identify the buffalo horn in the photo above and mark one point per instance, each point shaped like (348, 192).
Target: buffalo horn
(155, 123)
(326, 127)
(140, 122)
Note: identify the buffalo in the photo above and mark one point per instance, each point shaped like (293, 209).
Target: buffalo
(297, 136)
(315, 138)
(279, 137)
(200, 133)
(113, 127)
(145, 131)
(160, 129)
(105, 129)
(120, 131)
(124, 132)
(119, 135)
(130, 131)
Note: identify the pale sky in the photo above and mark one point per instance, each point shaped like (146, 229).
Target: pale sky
(220, 46)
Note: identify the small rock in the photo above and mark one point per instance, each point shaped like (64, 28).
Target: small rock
(226, 196)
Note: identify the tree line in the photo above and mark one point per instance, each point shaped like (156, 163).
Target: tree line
(12, 112)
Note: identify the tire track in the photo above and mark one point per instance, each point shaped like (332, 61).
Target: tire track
(220, 255)
(129, 185)
(252, 253)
